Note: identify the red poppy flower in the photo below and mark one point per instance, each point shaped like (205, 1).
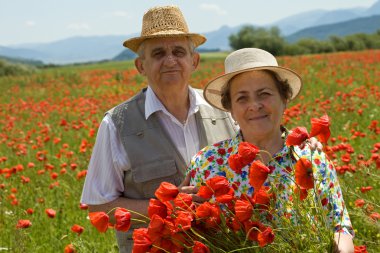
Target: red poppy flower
(205, 192)
(258, 174)
(183, 220)
(365, 189)
(320, 128)
(200, 248)
(248, 152)
(81, 174)
(77, 229)
(23, 224)
(304, 173)
(183, 200)
(50, 212)
(123, 219)
(226, 198)
(243, 210)
(297, 136)
(234, 224)
(99, 220)
(375, 216)
(70, 248)
(235, 161)
(360, 249)
(359, 202)
(252, 229)
(155, 228)
(214, 220)
(266, 237)
(30, 211)
(83, 206)
(166, 191)
(219, 185)
(262, 197)
(204, 210)
(210, 213)
(169, 228)
(141, 240)
(157, 207)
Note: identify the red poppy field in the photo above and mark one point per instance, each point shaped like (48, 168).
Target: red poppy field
(49, 120)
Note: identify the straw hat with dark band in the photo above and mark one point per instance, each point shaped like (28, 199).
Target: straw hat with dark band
(249, 59)
(163, 21)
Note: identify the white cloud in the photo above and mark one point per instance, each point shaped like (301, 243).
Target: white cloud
(78, 26)
(213, 8)
(30, 23)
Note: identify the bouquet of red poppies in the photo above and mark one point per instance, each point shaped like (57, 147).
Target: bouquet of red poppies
(229, 223)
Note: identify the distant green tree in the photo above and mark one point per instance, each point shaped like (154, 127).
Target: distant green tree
(338, 43)
(356, 43)
(267, 39)
(375, 38)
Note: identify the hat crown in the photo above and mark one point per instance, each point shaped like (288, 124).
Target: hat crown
(247, 58)
(162, 19)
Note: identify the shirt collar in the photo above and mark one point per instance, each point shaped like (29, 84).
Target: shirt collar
(153, 104)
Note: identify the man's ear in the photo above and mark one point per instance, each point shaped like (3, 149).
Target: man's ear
(139, 66)
(196, 59)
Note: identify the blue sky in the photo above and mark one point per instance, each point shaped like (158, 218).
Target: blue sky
(28, 21)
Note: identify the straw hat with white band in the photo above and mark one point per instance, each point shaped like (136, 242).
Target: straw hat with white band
(244, 60)
(163, 21)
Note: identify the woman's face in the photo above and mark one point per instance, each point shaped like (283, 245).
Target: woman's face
(256, 105)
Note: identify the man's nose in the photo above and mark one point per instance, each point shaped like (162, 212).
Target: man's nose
(170, 60)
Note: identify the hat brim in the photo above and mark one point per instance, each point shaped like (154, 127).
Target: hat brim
(213, 90)
(134, 43)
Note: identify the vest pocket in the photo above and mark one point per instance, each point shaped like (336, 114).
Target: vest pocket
(150, 175)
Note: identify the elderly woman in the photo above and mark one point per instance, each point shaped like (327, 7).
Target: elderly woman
(256, 91)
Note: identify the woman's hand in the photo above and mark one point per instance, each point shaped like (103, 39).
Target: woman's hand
(313, 143)
(192, 190)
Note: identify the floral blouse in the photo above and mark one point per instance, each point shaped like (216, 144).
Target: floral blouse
(213, 161)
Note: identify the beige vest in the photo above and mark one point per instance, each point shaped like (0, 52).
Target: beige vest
(152, 154)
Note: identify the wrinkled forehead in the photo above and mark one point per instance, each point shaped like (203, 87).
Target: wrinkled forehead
(166, 43)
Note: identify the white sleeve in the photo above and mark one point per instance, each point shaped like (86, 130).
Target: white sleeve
(105, 175)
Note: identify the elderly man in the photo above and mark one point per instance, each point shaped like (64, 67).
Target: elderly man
(151, 137)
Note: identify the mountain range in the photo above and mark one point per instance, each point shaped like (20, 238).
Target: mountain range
(318, 24)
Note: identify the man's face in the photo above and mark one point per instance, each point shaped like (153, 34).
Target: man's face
(167, 63)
